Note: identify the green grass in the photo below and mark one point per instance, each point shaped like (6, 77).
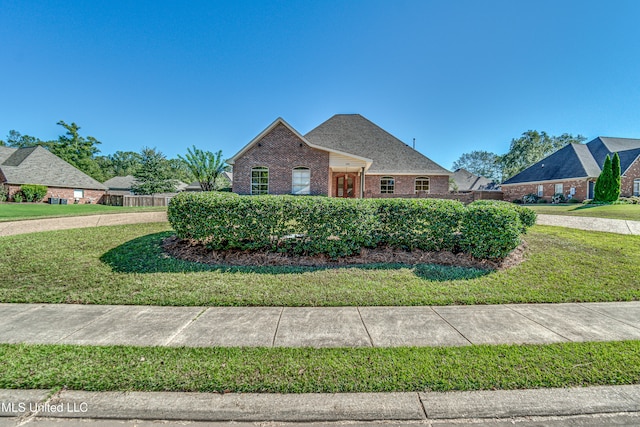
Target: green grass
(125, 265)
(628, 212)
(305, 370)
(21, 211)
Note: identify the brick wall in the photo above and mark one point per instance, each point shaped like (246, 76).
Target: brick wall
(517, 191)
(405, 185)
(90, 196)
(281, 151)
(631, 174)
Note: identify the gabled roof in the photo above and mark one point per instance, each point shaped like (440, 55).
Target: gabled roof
(281, 121)
(354, 134)
(467, 181)
(580, 160)
(36, 165)
(120, 182)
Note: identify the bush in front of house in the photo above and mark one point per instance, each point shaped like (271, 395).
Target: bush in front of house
(490, 231)
(299, 225)
(33, 192)
(527, 216)
(341, 227)
(427, 224)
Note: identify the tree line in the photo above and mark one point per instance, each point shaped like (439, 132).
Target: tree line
(154, 172)
(530, 148)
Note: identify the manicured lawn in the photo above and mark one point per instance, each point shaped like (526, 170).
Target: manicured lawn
(125, 265)
(628, 212)
(20, 211)
(305, 370)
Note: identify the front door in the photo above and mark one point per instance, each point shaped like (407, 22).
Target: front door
(344, 186)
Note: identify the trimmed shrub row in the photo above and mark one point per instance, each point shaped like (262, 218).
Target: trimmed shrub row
(342, 227)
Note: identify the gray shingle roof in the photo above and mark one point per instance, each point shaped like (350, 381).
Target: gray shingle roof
(580, 161)
(36, 165)
(467, 181)
(120, 182)
(354, 134)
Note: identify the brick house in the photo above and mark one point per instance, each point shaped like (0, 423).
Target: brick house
(346, 156)
(574, 169)
(37, 165)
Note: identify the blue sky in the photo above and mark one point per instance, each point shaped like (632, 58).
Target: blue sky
(456, 75)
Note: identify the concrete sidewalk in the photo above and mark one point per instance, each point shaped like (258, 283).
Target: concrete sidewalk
(11, 228)
(318, 326)
(618, 226)
(426, 408)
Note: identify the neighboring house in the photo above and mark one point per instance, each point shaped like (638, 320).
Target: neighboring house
(574, 169)
(467, 181)
(37, 165)
(121, 185)
(346, 156)
(224, 181)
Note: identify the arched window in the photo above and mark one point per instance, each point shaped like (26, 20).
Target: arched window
(422, 184)
(387, 185)
(301, 181)
(260, 180)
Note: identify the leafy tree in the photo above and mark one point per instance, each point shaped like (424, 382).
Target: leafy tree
(154, 174)
(602, 191)
(205, 166)
(180, 170)
(120, 163)
(77, 150)
(615, 173)
(532, 147)
(481, 163)
(16, 140)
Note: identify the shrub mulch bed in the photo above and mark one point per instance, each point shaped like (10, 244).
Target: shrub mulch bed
(195, 252)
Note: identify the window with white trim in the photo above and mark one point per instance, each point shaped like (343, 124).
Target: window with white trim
(387, 185)
(259, 181)
(78, 194)
(422, 184)
(540, 190)
(301, 181)
(636, 187)
(559, 189)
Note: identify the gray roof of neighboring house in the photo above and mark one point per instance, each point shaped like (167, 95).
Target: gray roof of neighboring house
(580, 160)
(354, 134)
(36, 165)
(467, 181)
(120, 182)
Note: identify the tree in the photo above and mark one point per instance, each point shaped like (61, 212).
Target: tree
(615, 173)
(180, 170)
(154, 175)
(205, 166)
(532, 147)
(77, 150)
(16, 140)
(481, 163)
(602, 191)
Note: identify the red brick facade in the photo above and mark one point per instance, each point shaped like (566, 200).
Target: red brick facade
(280, 151)
(517, 191)
(631, 174)
(90, 196)
(405, 185)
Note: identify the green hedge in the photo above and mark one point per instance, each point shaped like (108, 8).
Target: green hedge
(527, 216)
(427, 224)
(341, 227)
(490, 231)
(33, 192)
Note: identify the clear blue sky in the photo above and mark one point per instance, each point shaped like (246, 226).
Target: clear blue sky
(456, 75)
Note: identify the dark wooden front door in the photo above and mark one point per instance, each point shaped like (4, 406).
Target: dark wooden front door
(345, 186)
